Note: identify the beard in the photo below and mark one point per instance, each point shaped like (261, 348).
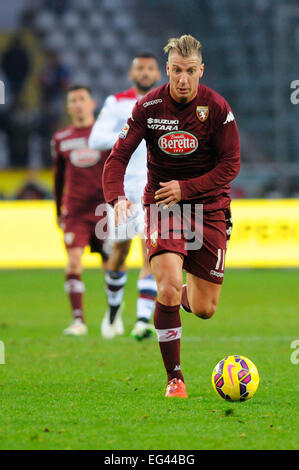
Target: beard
(144, 88)
(183, 100)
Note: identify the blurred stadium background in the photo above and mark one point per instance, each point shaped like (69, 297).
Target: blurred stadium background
(251, 53)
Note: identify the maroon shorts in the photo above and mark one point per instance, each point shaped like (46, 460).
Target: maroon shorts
(79, 231)
(203, 250)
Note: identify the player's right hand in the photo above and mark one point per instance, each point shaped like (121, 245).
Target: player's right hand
(123, 209)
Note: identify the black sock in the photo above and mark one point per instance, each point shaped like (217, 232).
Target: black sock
(145, 320)
(112, 312)
(115, 282)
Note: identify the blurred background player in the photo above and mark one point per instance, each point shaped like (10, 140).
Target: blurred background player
(78, 191)
(144, 73)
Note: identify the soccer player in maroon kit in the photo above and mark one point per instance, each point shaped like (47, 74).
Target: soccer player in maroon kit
(78, 191)
(193, 155)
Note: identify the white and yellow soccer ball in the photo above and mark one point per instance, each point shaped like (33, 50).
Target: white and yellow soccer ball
(235, 378)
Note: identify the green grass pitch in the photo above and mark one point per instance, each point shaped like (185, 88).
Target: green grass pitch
(58, 392)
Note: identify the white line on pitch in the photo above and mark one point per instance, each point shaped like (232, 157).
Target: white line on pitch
(228, 339)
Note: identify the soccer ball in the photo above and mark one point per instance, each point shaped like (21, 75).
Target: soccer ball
(235, 378)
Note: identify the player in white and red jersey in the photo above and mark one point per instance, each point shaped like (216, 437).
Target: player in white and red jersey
(144, 73)
(78, 192)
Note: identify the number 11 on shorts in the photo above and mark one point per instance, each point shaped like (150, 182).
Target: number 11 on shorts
(220, 260)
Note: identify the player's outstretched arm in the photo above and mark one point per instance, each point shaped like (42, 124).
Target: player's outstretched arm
(105, 130)
(59, 178)
(115, 166)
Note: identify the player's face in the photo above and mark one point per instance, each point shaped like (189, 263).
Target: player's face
(184, 74)
(144, 73)
(80, 105)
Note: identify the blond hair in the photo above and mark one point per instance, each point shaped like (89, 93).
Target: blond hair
(186, 45)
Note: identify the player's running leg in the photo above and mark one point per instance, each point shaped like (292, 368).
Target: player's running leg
(75, 288)
(167, 268)
(202, 291)
(116, 278)
(147, 289)
(200, 296)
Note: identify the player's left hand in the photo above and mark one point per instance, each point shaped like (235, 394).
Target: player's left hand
(169, 194)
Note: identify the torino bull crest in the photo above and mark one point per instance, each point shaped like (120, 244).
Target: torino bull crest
(202, 112)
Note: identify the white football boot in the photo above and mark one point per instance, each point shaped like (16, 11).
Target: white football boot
(110, 330)
(142, 330)
(77, 328)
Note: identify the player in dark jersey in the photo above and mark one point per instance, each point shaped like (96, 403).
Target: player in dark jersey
(193, 155)
(78, 191)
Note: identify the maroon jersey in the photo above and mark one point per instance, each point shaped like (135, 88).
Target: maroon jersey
(78, 170)
(195, 143)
